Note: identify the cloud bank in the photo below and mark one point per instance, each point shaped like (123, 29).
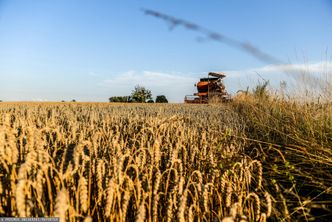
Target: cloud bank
(292, 70)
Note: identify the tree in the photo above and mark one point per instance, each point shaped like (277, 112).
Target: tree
(140, 94)
(120, 99)
(161, 99)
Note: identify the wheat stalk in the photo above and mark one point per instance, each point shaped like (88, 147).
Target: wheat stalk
(61, 205)
(83, 193)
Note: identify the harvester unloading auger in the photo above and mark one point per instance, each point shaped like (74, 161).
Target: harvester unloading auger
(210, 89)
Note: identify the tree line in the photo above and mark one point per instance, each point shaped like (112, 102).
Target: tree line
(140, 94)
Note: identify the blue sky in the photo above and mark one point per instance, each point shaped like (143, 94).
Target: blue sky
(89, 50)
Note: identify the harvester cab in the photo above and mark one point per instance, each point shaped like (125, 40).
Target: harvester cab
(209, 90)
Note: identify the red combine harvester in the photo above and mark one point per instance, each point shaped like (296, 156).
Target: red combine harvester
(210, 89)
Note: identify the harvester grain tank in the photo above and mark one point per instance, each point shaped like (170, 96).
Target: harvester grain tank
(210, 89)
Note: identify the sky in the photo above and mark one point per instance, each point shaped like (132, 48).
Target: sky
(90, 50)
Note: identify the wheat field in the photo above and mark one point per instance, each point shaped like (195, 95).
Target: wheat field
(163, 162)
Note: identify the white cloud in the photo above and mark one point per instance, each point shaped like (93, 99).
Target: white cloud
(317, 68)
(310, 74)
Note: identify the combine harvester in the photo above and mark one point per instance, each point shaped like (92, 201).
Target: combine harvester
(210, 90)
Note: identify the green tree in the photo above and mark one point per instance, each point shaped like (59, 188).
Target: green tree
(140, 94)
(161, 99)
(121, 99)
